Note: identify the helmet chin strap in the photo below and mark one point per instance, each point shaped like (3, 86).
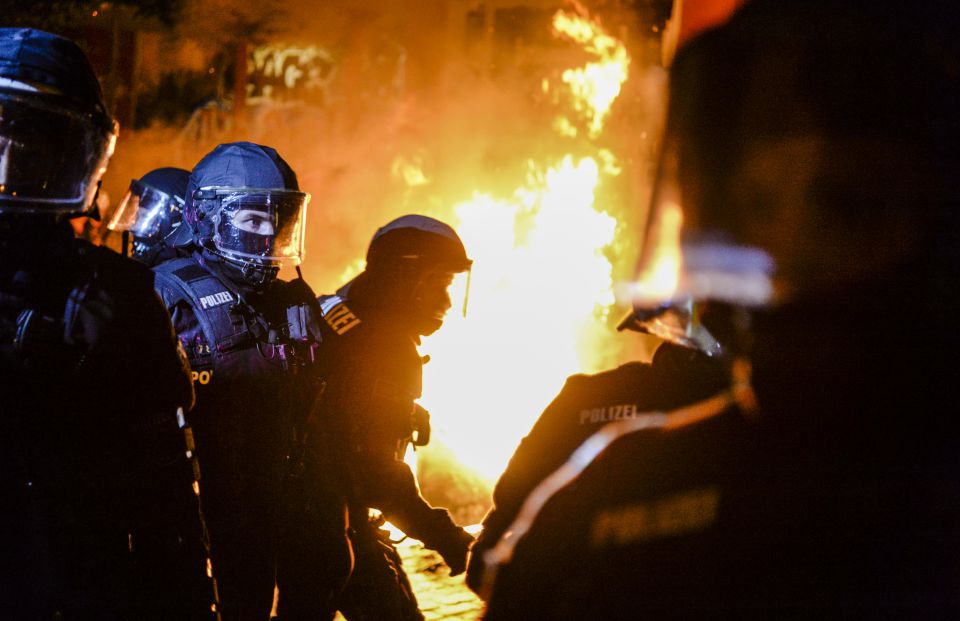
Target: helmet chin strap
(242, 274)
(257, 275)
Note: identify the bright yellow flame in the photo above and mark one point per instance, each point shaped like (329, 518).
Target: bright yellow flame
(597, 84)
(351, 271)
(540, 280)
(542, 284)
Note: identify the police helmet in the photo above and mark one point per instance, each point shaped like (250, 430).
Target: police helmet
(152, 210)
(414, 258)
(245, 206)
(418, 241)
(56, 136)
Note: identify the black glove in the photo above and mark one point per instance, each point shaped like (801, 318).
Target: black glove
(476, 566)
(453, 548)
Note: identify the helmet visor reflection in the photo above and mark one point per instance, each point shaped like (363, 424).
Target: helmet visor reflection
(51, 156)
(144, 210)
(263, 225)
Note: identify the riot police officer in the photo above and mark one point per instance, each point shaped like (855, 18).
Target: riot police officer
(816, 166)
(251, 342)
(677, 375)
(371, 329)
(152, 212)
(97, 513)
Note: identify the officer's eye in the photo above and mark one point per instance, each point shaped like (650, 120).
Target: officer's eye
(254, 222)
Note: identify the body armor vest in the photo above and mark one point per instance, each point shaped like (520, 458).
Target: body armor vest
(253, 363)
(233, 339)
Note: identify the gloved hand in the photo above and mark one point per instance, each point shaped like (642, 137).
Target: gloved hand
(453, 548)
(476, 566)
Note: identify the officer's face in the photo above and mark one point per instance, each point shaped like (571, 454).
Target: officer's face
(432, 300)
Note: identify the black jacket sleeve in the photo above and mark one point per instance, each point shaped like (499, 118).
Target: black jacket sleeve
(371, 391)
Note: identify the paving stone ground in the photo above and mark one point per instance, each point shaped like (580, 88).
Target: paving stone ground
(440, 596)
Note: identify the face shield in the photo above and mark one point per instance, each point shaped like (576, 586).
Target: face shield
(147, 213)
(52, 153)
(257, 226)
(677, 321)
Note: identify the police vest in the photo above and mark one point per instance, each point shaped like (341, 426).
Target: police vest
(232, 339)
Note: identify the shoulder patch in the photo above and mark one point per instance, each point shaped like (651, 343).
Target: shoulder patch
(191, 272)
(338, 315)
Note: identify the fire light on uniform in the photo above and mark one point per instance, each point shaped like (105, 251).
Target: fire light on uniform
(541, 287)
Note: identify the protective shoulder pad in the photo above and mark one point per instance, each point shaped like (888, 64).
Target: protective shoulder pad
(105, 284)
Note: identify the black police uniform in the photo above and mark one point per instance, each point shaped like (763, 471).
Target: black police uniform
(99, 519)
(373, 375)
(587, 403)
(252, 357)
(839, 497)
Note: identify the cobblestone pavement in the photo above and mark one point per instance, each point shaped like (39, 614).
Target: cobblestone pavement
(441, 597)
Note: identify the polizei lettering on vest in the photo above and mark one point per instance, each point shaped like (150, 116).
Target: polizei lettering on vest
(337, 315)
(687, 512)
(215, 299)
(608, 413)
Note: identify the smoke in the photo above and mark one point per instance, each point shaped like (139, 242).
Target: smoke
(417, 116)
(351, 154)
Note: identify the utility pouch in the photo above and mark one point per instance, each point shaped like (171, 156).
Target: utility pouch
(297, 319)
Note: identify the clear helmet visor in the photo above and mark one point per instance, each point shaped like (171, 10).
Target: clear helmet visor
(52, 155)
(259, 225)
(147, 213)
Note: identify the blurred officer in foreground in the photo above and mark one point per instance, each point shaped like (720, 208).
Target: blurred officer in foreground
(97, 513)
(679, 374)
(371, 329)
(813, 149)
(152, 212)
(250, 339)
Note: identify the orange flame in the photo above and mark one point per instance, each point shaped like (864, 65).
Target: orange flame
(541, 287)
(596, 85)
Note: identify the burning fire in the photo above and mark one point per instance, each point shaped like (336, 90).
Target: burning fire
(595, 86)
(541, 286)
